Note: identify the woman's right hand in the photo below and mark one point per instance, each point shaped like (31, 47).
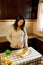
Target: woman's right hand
(17, 46)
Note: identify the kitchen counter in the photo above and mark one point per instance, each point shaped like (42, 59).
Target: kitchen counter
(35, 36)
(3, 39)
(32, 36)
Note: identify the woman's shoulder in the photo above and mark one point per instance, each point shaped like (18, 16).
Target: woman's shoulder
(24, 29)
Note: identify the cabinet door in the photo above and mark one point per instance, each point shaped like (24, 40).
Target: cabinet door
(39, 45)
(13, 9)
(19, 7)
(9, 9)
(27, 8)
(6, 9)
(34, 8)
(24, 7)
(4, 46)
(0, 9)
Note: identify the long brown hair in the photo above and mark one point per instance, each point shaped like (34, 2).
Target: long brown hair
(16, 23)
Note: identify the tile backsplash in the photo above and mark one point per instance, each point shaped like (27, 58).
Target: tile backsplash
(4, 27)
(30, 25)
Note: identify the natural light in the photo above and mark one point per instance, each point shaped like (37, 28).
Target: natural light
(40, 17)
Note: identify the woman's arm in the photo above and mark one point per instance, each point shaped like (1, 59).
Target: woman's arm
(25, 39)
(9, 35)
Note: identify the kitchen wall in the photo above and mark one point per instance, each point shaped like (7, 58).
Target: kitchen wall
(4, 27)
(31, 27)
(5, 24)
(35, 29)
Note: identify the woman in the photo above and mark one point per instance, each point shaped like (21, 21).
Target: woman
(17, 35)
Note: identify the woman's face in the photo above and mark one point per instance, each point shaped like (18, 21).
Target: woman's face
(20, 23)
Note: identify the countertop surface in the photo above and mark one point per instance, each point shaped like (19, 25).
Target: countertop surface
(32, 36)
(35, 36)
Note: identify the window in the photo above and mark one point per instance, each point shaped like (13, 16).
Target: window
(40, 17)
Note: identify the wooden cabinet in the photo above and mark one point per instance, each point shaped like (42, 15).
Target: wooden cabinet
(32, 42)
(34, 9)
(27, 9)
(10, 9)
(24, 7)
(37, 44)
(4, 46)
(0, 8)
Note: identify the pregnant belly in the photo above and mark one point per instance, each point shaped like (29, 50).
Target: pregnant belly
(17, 45)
